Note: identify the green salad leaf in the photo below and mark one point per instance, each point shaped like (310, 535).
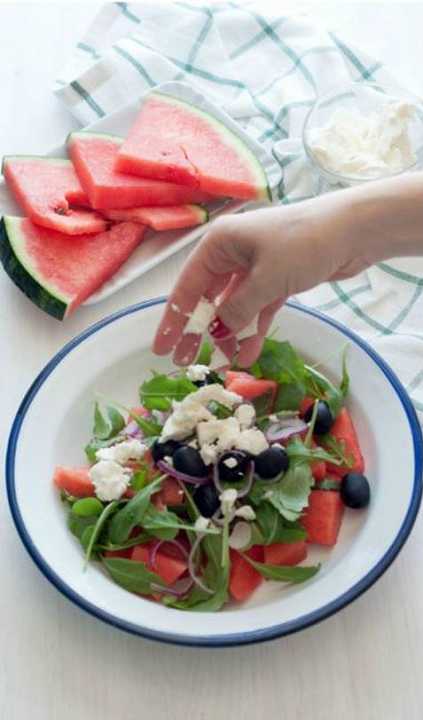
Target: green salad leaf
(336, 449)
(289, 396)
(107, 423)
(284, 573)
(274, 529)
(94, 533)
(132, 513)
(132, 575)
(279, 361)
(158, 392)
(328, 484)
(290, 495)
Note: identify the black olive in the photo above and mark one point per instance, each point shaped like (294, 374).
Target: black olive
(160, 450)
(355, 490)
(207, 500)
(232, 466)
(324, 418)
(211, 378)
(188, 460)
(271, 462)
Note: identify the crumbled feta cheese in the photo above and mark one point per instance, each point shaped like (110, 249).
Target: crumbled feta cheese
(193, 409)
(209, 454)
(240, 536)
(167, 331)
(222, 432)
(228, 500)
(219, 358)
(230, 462)
(245, 512)
(245, 415)
(122, 452)
(252, 440)
(201, 317)
(201, 523)
(168, 460)
(109, 479)
(175, 307)
(193, 444)
(249, 331)
(197, 373)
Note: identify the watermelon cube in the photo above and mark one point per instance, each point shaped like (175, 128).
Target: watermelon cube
(323, 517)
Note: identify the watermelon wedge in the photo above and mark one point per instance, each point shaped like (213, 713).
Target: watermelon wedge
(162, 218)
(174, 141)
(45, 188)
(94, 156)
(57, 271)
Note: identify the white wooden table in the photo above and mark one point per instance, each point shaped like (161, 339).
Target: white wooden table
(56, 663)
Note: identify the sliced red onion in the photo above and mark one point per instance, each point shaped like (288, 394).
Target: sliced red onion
(191, 479)
(284, 428)
(154, 550)
(191, 565)
(248, 482)
(178, 589)
(133, 430)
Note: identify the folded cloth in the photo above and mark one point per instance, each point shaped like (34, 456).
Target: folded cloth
(265, 70)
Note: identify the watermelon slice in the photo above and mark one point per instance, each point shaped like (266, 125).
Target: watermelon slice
(44, 188)
(174, 141)
(94, 156)
(162, 218)
(58, 272)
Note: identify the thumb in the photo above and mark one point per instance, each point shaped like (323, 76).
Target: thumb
(241, 306)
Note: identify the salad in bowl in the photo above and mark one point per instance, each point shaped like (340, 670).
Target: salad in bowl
(216, 481)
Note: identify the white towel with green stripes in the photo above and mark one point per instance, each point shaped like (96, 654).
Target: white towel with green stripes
(265, 70)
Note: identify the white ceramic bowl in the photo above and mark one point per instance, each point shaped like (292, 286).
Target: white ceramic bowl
(112, 357)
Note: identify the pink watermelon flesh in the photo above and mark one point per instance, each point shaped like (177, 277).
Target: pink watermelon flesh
(175, 141)
(162, 218)
(59, 272)
(94, 156)
(45, 188)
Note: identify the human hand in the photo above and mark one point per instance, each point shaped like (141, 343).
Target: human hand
(250, 264)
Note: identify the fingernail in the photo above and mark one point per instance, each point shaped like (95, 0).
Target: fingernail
(218, 329)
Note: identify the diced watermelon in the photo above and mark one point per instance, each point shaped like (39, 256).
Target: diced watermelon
(94, 156)
(74, 480)
(305, 404)
(44, 188)
(250, 387)
(231, 375)
(127, 553)
(318, 467)
(168, 568)
(285, 553)
(174, 141)
(244, 578)
(343, 430)
(322, 519)
(162, 218)
(57, 271)
(171, 492)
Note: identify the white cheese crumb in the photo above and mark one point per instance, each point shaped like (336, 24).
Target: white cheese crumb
(219, 358)
(230, 462)
(166, 331)
(245, 415)
(168, 460)
(228, 500)
(245, 512)
(122, 452)
(197, 373)
(249, 331)
(109, 479)
(240, 536)
(252, 440)
(175, 307)
(201, 317)
(201, 523)
(209, 454)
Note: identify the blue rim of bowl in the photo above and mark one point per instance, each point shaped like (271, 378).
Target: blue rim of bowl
(230, 639)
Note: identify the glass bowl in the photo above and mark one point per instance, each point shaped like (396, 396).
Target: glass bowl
(364, 98)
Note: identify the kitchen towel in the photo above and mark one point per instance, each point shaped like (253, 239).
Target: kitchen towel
(266, 71)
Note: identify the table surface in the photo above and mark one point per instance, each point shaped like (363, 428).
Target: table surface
(57, 662)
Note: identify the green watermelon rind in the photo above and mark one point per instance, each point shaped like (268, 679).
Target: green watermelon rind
(229, 137)
(35, 158)
(17, 264)
(84, 134)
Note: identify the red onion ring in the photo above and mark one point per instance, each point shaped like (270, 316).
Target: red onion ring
(191, 565)
(154, 550)
(191, 479)
(283, 429)
(133, 430)
(248, 483)
(178, 589)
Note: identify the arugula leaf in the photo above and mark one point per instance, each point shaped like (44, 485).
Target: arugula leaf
(263, 404)
(273, 529)
(98, 527)
(77, 524)
(284, 573)
(328, 484)
(345, 380)
(279, 361)
(163, 524)
(107, 424)
(220, 411)
(290, 496)
(297, 450)
(321, 387)
(158, 393)
(289, 396)
(139, 479)
(131, 515)
(149, 427)
(337, 448)
(205, 353)
(132, 575)
(137, 540)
